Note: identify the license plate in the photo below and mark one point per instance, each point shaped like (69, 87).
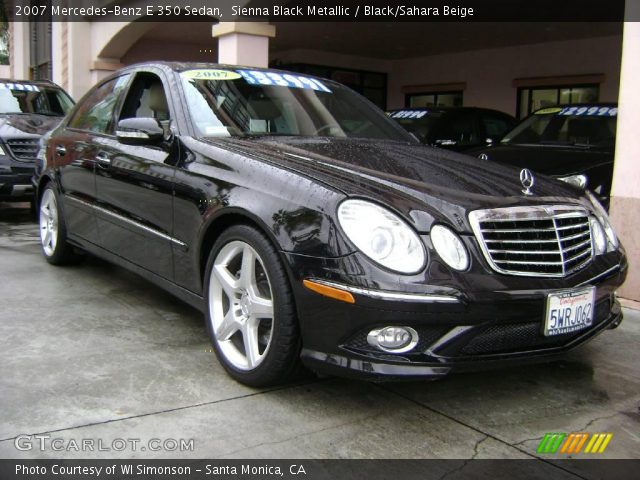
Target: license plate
(569, 311)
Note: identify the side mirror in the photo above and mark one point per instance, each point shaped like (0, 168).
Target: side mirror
(139, 131)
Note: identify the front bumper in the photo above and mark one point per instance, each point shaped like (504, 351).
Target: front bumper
(483, 325)
(16, 184)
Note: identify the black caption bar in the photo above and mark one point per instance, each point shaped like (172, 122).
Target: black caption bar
(317, 469)
(317, 10)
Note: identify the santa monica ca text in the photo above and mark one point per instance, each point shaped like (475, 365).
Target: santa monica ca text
(142, 469)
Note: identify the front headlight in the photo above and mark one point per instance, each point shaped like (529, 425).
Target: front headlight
(603, 218)
(579, 181)
(2, 151)
(449, 247)
(382, 236)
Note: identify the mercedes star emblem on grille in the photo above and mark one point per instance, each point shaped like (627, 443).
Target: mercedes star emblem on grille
(527, 180)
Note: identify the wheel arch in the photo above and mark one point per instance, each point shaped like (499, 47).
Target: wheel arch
(43, 181)
(221, 222)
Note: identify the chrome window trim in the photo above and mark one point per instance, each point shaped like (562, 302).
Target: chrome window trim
(127, 220)
(387, 295)
(534, 212)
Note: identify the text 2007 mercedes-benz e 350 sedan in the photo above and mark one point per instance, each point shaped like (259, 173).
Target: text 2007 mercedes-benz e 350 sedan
(313, 230)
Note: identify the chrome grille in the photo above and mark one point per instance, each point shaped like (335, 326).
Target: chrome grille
(551, 241)
(25, 149)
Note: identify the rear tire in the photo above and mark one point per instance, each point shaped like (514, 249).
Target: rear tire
(53, 230)
(251, 315)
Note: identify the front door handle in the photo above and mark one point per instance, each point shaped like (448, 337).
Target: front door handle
(61, 150)
(103, 159)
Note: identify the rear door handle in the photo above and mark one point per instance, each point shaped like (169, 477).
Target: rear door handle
(61, 150)
(103, 159)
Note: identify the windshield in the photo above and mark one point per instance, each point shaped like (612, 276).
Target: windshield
(259, 103)
(418, 122)
(25, 98)
(580, 126)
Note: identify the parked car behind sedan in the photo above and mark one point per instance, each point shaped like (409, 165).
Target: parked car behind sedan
(458, 129)
(574, 143)
(312, 230)
(28, 109)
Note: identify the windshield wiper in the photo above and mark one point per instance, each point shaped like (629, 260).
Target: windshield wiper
(565, 144)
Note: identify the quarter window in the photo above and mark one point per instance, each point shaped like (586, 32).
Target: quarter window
(95, 114)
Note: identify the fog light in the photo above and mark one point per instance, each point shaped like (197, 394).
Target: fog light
(393, 339)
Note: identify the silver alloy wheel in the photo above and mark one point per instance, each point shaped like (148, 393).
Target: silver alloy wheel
(241, 305)
(48, 222)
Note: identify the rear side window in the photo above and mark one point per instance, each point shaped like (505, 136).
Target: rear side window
(95, 113)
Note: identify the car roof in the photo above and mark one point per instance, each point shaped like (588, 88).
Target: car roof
(443, 109)
(577, 105)
(182, 66)
(42, 83)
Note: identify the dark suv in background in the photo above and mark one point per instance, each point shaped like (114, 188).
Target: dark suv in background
(454, 128)
(27, 111)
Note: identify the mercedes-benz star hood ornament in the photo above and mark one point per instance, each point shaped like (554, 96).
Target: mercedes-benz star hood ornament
(527, 180)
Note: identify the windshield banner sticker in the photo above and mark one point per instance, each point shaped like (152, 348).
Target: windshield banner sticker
(590, 111)
(259, 77)
(210, 74)
(20, 86)
(409, 114)
(546, 111)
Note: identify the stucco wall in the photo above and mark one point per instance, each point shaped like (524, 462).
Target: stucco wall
(147, 49)
(489, 73)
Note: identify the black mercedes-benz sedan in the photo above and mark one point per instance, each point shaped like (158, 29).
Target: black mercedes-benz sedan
(573, 143)
(312, 230)
(28, 110)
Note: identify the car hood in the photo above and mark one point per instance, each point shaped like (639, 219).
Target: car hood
(548, 159)
(26, 126)
(426, 183)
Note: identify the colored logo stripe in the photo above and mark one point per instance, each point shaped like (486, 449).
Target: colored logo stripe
(551, 442)
(573, 443)
(598, 442)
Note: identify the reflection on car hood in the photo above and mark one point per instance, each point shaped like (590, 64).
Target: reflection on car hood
(28, 125)
(440, 182)
(548, 159)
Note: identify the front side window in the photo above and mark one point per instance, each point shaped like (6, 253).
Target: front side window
(259, 103)
(95, 114)
(584, 126)
(146, 98)
(22, 98)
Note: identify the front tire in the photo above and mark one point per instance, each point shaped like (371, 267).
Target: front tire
(53, 230)
(251, 316)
